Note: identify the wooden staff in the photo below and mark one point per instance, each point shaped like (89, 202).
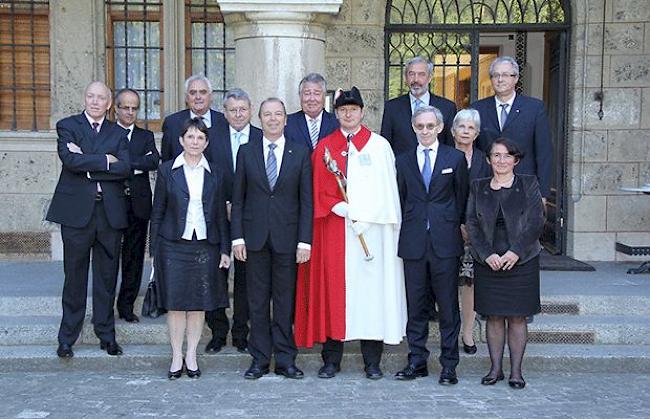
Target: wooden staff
(333, 168)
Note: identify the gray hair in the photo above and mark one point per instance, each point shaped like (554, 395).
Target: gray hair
(505, 60)
(269, 100)
(236, 94)
(197, 77)
(468, 114)
(313, 78)
(427, 109)
(419, 60)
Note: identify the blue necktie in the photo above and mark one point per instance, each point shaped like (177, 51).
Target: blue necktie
(313, 132)
(272, 166)
(234, 147)
(426, 169)
(504, 114)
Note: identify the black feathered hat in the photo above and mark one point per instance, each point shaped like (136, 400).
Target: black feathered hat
(348, 97)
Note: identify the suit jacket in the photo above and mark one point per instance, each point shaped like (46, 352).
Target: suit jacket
(480, 167)
(523, 213)
(220, 153)
(173, 125)
(144, 156)
(443, 206)
(528, 126)
(282, 215)
(74, 197)
(396, 123)
(172, 198)
(298, 131)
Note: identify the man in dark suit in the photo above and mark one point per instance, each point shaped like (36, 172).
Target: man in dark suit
(432, 179)
(396, 122)
(90, 205)
(271, 230)
(519, 118)
(198, 96)
(230, 137)
(312, 122)
(144, 157)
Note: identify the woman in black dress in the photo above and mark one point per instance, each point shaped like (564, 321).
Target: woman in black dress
(505, 218)
(465, 129)
(191, 245)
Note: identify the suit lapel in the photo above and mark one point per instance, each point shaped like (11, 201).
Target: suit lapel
(287, 159)
(514, 112)
(492, 119)
(412, 163)
(438, 166)
(304, 130)
(178, 176)
(259, 158)
(208, 190)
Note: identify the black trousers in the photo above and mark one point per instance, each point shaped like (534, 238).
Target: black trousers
(271, 280)
(423, 276)
(103, 241)
(371, 350)
(218, 321)
(133, 244)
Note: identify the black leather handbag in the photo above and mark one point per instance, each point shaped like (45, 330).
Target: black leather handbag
(150, 304)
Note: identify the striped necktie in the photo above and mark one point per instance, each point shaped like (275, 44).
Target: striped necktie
(313, 132)
(272, 166)
(504, 114)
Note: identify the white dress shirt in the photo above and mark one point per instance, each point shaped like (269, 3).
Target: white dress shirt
(243, 139)
(194, 218)
(432, 155)
(319, 120)
(424, 99)
(206, 117)
(508, 109)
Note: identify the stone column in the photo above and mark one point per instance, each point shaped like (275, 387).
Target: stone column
(277, 42)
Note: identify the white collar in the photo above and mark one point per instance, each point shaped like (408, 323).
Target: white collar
(206, 117)
(279, 142)
(509, 102)
(425, 98)
(180, 161)
(245, 131)
(318, 118)
(130, 127)
(433, 147)
(91, 120)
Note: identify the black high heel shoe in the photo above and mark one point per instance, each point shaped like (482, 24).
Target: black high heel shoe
(175, 375)
(517, 384)
(193, 373)
(490, 381)
(469, 349)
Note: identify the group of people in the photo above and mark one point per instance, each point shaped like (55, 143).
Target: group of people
(336, 233)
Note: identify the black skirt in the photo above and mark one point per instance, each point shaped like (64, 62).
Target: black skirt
(507, 293)
(188, 275)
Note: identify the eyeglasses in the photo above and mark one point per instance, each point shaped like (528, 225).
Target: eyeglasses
(235, 111)
(129, 108)
(502, 156)
(420, 127)
(498, 76)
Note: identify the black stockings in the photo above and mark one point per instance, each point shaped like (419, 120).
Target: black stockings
(517, 337)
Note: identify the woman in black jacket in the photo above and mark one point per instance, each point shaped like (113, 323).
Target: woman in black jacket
(190, 243)
(505, 218)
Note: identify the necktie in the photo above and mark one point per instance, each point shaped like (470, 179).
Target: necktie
(272, 166)
(313, 132)
(504, 114)
(426, 169)
(128, 134)
(235, 147)
(418, 103)
(95, 127)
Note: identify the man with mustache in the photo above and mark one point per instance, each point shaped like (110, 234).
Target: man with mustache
(396, 123)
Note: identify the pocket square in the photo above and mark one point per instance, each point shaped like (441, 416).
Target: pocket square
(447, 170)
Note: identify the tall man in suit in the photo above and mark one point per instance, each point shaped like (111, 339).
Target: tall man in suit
(237, 106)
(519, 118)
(396, 122)
(312, 123)
(198, 96)
(433, 182)
(271, 230)
(90, 205)
(144, 157)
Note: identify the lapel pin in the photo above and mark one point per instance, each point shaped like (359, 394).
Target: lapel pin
(344, 153)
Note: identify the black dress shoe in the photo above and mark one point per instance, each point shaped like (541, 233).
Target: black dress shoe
(489, 380)
(373, 372)
(256, 371)
(111, 348)
(290, 372)
(448, 376)
(193, 373)
(64, 351)
(241, 345)
(214, 345)
(328, 370)
(411, 372)
(129, 317)
(517, 384)
(175, 375)
(469, 349)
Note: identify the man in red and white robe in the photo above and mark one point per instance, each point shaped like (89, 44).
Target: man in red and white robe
(342, 296)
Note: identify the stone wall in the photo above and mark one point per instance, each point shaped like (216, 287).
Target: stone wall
(606, 155)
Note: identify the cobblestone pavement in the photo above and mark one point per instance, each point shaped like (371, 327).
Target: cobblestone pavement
(215, 394)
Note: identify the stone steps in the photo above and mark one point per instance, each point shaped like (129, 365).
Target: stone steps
(155, 359)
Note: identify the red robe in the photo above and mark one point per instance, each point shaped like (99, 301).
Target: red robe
(320, 288)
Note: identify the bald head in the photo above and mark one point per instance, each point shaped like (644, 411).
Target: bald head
(97, 100)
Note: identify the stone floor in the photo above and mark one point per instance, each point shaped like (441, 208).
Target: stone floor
(349, 395)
